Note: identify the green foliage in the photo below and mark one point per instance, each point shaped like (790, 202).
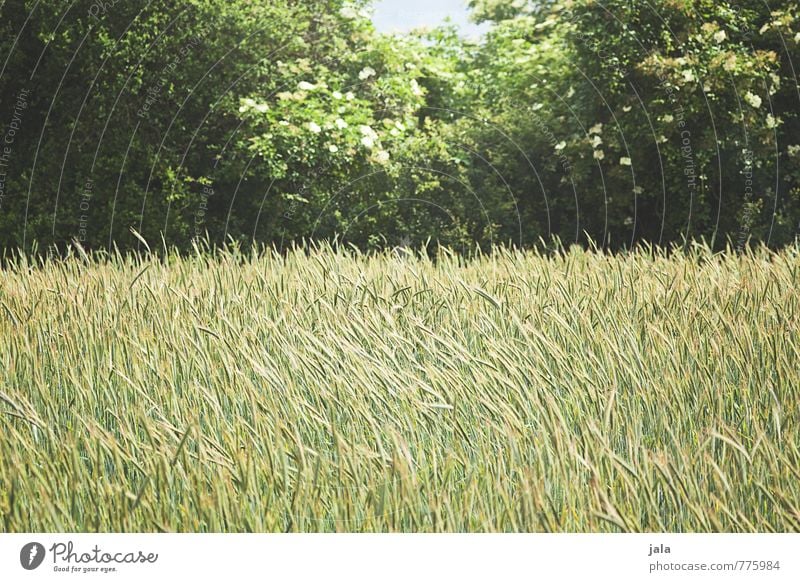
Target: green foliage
(278, 121)
(647, 121)
(142, 103)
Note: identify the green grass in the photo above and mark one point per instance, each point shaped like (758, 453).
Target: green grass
(326, 391)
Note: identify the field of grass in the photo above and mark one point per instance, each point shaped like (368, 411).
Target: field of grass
(330, 391)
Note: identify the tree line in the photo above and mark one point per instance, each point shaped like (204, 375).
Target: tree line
(274, 121)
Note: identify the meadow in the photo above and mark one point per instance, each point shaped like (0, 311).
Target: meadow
(329, 390)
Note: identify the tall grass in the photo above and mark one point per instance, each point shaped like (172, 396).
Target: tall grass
(331, 391)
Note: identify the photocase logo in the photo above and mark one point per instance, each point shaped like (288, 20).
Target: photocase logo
(32, 555)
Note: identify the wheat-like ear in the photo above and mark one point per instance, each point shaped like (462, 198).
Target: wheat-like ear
(322, 390)
(140, 238)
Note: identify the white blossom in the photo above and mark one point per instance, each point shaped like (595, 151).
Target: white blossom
(367, 142)
(688, 75)
(596, 128)
(340, 123)
(624, 161)
(367, 131)
(366, 73)
(306, 86)
(382, 157)
(752, 99)
(337, 95)
(348, 12)
(415, 88)
(333, 148)
(720, 36)
(597, 141)
(313, 127)
(246, 104)
(599, 154)
(560, 146)
(775, 85)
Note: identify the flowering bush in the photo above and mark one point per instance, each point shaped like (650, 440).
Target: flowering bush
(647, 121)
(276, 121)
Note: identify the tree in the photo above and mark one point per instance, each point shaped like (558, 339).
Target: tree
(670, 120)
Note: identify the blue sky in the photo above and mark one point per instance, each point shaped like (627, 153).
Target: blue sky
(403, 15)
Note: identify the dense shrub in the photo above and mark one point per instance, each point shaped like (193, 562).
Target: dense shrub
(277, 121)
(659, 121)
